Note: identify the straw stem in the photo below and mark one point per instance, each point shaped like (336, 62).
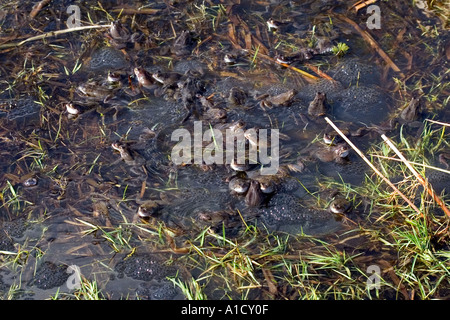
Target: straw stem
(412, 205)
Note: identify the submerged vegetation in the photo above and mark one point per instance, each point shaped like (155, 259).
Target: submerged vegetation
(66, 198)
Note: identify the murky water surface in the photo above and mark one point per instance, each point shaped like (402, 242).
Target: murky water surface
(65, 188)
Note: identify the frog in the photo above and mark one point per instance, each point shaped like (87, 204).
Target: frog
(217, 220)
(328, 153)
(153, 207)
(280, 100)
(317, 107)
(118, 32)
(336, 153)
(274, 25)
(136, 170)
(149, 208)
(283, 59)
(215, 114)
(181, 44)
(131, 158)
(238, 184)
(236, 96)
(114, 78)
(211, 112)
(28, 182)
(252, 136)
(299, 56)
(332, 137)
(119, 36)
(412, 111)
(286, 169)
(323, 45)
(233, 127)
(232, 57)
(214, 218)
(229, 59)
(124, 151)
(166, 79)
(232, 130)
(168, 83)
(409, 116)
(255, 197)
(186, 91)
(339, 205)
(242, 167)
(96, 91)
(72, 109)
(272, 183)
(268, 183)
(144, 78)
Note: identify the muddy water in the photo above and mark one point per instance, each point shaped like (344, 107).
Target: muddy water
(84, 189)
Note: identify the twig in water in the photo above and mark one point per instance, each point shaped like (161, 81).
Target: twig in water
(51, 34)
(361, 4)
(38, 7)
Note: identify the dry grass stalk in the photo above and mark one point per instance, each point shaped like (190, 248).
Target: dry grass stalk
(130, 11)
(414, 163)
(421, 179)
(438, 122)
(412, 205)
(51, 34)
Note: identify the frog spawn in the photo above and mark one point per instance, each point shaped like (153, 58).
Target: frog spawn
(364, 102)
(144, 266)
(286, 213)
(50, 275)
(162, 290)
(107, 59)
(150, 271)
(6, 243)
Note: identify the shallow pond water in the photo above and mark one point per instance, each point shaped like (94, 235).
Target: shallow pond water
(81, 207)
